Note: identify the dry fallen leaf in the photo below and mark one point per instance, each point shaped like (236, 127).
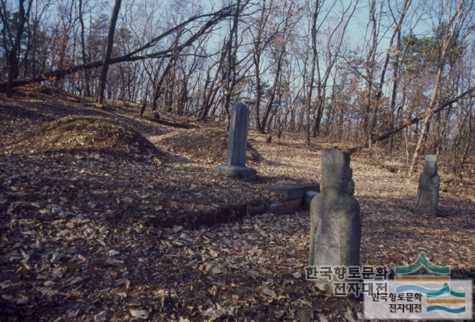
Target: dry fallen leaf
(139, 313)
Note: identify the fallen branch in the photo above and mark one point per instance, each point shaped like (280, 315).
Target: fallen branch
(216, 17)
(415, 120)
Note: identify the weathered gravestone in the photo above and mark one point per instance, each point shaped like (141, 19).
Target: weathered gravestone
(335, 230)
(236, 164)
(428, 190)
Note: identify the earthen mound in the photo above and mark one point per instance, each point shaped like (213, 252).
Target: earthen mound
(88, 134)
(209, 145)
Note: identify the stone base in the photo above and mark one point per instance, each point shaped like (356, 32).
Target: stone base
(237, 171)
(431, 211)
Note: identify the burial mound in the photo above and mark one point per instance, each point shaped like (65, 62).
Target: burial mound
(85, 134)
(209, 145)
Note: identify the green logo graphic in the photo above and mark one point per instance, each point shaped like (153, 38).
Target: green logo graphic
(422, 261)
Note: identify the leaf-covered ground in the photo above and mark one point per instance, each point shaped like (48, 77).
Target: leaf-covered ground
(82, 235)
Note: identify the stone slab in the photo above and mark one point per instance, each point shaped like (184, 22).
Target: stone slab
(294, 191)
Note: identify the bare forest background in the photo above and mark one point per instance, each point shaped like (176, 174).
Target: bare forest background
(392, 74)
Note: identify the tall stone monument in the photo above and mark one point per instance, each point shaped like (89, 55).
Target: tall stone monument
(428, 190)
(335, 230)
(236, 164)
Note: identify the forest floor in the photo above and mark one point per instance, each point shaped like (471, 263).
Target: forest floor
(95, 221)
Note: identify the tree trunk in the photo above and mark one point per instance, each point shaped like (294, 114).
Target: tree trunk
(12, 55)
(87, 85)
(110, 43)
(230, 76)
(435, 94)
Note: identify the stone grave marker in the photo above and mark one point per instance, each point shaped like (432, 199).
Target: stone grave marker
(236, 164)
(335, 231)
(428, 190)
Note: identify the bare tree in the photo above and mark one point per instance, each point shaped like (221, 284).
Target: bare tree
(137, 54)
(450, 30)
(107, 57)
(87, 85)
(12, 36)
